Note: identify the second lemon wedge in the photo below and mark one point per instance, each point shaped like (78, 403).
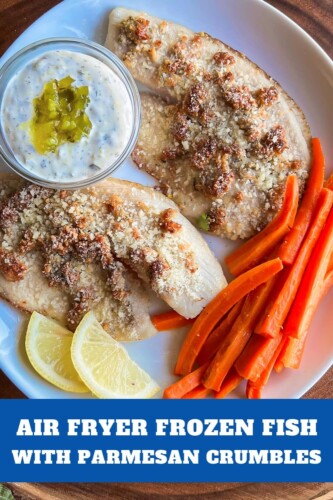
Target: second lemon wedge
(105, 366)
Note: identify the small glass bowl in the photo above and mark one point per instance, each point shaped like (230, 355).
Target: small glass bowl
(22, 57)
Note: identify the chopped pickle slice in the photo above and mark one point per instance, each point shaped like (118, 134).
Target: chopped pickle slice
(59, 115)
(202, 222)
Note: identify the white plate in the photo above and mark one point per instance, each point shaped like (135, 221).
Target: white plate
(287, 53)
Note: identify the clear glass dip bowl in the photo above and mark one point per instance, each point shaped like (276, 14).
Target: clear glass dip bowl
(19, 60)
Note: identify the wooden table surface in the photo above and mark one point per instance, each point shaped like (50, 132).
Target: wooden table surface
(316, 17)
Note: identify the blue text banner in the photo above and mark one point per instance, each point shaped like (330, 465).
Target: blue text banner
(166, 440)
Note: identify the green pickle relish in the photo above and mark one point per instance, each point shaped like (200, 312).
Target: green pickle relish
(59, 115)
(202, 222)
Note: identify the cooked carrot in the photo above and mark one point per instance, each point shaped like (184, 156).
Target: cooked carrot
(213, 342)
(291, 354)
(328, 281)
(329, 182)
(178, 389)
(169, 321)
(279, 282)
(199, 392)
(312, 285)
(258, 247)
(234, 343)
(218, 307)
(330, 264)
(292, 350)
(329, 275)
(278, 365)
(232, 380)
(278, 308)
(294, 238)
(254, 389)
(256, 356)
(265, 374)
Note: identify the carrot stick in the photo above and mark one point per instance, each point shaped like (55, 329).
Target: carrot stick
(291, 354)
(255, 249)
(169, 321)
(329, 182)
(330, 264)
(237, 338)
(278, 365)
(178, 389)
(265, 374)
(213, 342)
(229, 384)
(277, 310)
(218, 307)
(294, 238)
(199, 392)
(292, 350)
(256, 356)
(254, 389)
(328, 282)
(312, 285)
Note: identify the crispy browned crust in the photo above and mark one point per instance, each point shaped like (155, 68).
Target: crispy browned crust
(64, 253)
(231, 136)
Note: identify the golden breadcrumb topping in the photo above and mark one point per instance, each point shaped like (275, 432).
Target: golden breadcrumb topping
(226, 127)
(77, 231)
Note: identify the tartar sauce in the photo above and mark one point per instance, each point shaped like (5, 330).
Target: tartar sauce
(109, 110)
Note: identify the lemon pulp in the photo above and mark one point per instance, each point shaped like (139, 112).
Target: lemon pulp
(48, 346)
(105, 366)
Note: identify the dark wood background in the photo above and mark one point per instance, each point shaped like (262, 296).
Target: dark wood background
(316, 17)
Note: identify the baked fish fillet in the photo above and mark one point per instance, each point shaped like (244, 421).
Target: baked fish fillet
(40, 271)
(222, 136)
(63, 253)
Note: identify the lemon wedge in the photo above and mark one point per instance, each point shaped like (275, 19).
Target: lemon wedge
(105, 366)
(48, 347)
